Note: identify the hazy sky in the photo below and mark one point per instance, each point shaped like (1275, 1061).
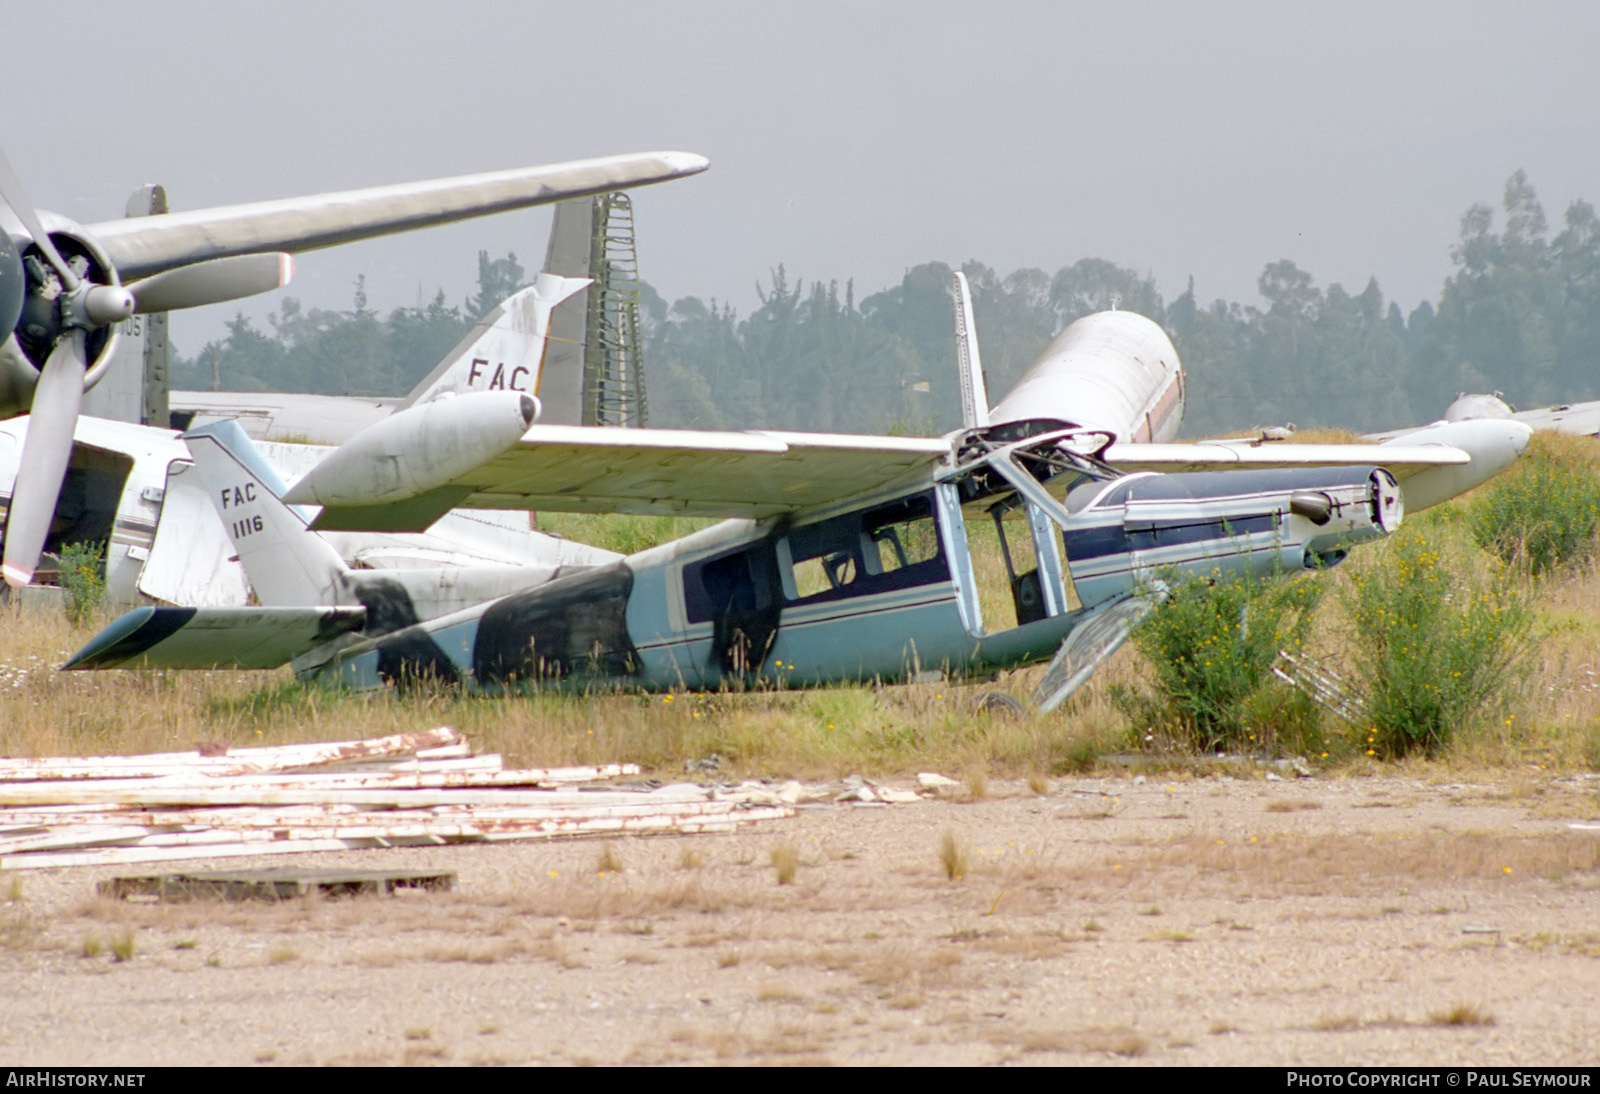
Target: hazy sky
(846, 139)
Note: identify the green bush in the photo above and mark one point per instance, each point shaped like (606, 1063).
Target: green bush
(1437, 652)
(83, 582)
(1543, 513)
(1212, 646)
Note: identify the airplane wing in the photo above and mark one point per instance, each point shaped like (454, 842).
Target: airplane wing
(1578, 418)
(1402, 460)
(213, 638)
(141, 246)
(666, 472)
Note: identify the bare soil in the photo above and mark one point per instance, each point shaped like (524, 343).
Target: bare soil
(1162, 920)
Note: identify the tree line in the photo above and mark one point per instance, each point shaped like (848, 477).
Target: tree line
(1519, 313)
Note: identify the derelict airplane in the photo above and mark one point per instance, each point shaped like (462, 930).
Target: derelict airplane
(846, 558)
(130, 487)
(66, 288)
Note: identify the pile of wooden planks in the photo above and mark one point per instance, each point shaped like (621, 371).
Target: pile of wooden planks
(411, 789)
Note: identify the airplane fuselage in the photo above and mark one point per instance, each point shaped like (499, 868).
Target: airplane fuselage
(886, 588)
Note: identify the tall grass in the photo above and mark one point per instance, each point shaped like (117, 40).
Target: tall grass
(1543, 513)
(621, 533)
(1440, 648)
(1211, 647)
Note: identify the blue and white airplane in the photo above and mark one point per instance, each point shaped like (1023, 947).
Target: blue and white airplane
(844, 558)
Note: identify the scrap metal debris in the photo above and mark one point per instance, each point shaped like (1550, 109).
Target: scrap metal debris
(410, 789)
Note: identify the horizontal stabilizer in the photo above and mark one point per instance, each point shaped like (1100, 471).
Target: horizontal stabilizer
(214, 638)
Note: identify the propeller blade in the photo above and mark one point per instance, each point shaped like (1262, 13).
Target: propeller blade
(212, 282)
(45, 455)
(16, 197)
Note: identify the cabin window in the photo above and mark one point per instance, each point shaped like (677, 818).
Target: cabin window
(858, 554)
(738, 582)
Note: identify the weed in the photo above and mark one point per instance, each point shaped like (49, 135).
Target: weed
(83, 582)
(122, 945)
(1291, 805)
(690, 858)
(977, 783)
(610, 861)
(1462, 1014)
(785, 861)
(185, 944)
(953, 856)
(1543, 513)
(1212, 645)
(281, 955)
(1591, 748)
(93, 945)
(1437, 654)
(1038, 783)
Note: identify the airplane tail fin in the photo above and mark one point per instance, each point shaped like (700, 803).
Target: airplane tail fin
(974, 399)
(288, 564)
(506, 350)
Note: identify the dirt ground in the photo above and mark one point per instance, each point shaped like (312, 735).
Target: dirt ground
(1155, 920)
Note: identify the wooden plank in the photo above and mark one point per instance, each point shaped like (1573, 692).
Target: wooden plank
(167, 793)
(234, 761)
(110, 856)
(272, 884)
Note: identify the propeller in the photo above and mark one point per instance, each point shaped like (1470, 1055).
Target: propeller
(44, 458)
(212, 282)
(58, 307)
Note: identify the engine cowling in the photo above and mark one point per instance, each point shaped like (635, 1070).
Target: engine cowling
(418, 449)
(37, 323)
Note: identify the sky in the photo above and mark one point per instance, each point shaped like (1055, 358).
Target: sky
(847, 140)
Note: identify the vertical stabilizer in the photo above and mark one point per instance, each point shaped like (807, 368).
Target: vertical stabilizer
(135, 387)
(506, 350)
(974, 398)
(288, 564)
(561, 389)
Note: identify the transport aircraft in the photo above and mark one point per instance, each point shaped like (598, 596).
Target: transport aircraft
(844, 558)
(66, 289)
(130, 487)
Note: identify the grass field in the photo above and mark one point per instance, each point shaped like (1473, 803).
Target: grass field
(1553, 720)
